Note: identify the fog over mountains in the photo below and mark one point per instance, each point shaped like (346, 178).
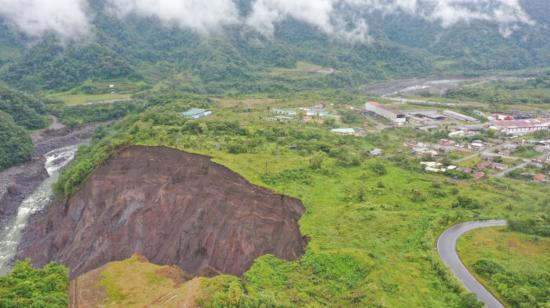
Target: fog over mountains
(58, 44)
(346, 19)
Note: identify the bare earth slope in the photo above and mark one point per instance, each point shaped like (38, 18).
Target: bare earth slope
(171, 207)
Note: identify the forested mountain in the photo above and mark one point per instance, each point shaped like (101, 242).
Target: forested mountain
(399, 45)
(25, 110)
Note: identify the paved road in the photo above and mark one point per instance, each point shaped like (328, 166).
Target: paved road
(509, 170)
(446, 246)
(524, 164)
(487, 151)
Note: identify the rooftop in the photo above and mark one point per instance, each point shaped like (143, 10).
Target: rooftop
(522, 123)
(193, 112)
(343, 131)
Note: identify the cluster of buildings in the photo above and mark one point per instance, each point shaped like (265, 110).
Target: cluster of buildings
(443, 146)
(432, 166)
(307, 113)
(431, 116)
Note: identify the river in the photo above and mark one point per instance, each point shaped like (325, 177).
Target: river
(10, 235)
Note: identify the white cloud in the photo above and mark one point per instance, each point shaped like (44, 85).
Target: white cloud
(199, 15)
(339, 18)
(501, 12)
(66, 18)
(327, 14)
(265, 13)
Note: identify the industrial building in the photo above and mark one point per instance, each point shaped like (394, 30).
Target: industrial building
(520, 127)
(429, 114)
(377, 108)
(459, 116)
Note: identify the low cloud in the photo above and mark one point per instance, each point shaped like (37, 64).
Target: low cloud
(198, 15)
(66, 18)
(333, 16)
(346, 19)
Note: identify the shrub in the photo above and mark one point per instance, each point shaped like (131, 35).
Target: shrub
(287, 176)
(487, 268)
(378, 169)
(466, 203)
(316, 161)
(537, 226)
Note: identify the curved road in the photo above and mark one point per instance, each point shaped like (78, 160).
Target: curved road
(446, 246)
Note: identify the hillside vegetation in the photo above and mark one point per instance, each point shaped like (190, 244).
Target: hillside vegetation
(513, 265)
(25, 110)
(15, 142)
(372, 223)
(238, 59)
(529, 91)
(28, 287)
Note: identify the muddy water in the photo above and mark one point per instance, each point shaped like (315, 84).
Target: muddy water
(10, 234)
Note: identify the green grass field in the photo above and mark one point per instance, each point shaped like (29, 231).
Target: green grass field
(302, 71)
(527, 152)
(81, 99)
(524, 259)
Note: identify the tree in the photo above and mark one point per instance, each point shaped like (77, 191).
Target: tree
(29, 287)
(378, 169)
(316, 161)
(466, 203)
(15, 143)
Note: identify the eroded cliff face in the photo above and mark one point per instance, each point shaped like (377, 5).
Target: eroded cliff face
(171, 207)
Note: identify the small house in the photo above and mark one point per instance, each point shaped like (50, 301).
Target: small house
(376, 152)
(539, 178)
(196, 113)
(343, 131)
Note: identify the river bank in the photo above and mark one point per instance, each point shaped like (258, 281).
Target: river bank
(26, 188)
(18, 182)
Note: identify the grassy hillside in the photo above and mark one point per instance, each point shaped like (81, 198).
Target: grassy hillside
(135, 283)
(371, 223)
(514, 266)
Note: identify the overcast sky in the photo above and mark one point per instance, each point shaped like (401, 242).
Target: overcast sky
(70, 19)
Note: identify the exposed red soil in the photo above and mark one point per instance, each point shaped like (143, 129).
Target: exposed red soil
(171, 207)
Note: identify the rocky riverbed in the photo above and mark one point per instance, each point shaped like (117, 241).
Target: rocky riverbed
(25, 188)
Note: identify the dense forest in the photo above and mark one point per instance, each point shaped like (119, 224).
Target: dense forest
(29, 287)
(15, 142)
(401, 45)
(25, 110)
